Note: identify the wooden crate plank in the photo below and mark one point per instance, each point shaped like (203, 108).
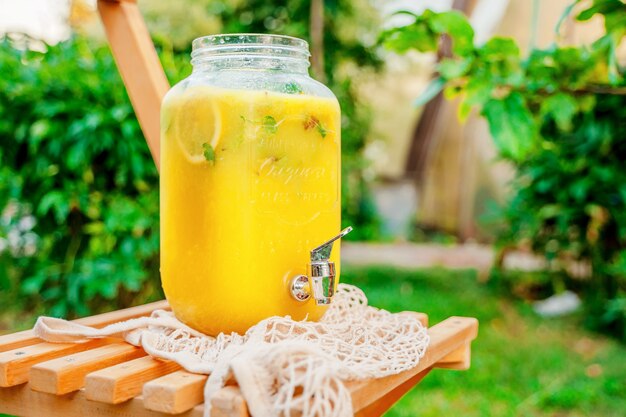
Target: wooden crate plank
(15, 364)
(111, 317)
(124, 381)
(174, 393)
(17, 340)
(384, 403)
(22, 401)
(138, 64)
(445, 337)
(27, 337)
(422, 317)
(449, 344)
(67, 374)
(459, 359)
(228, 402)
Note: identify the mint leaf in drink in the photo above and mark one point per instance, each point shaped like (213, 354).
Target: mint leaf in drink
(269, 124)
(322, 130)
(313, 122)
(293, 88)
(208, 152)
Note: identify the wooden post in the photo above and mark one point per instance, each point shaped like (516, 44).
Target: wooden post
(317, 39)
(138, 64)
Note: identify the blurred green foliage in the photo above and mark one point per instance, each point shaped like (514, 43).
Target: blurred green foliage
(74, 161)
(559, 115)
(79, 205)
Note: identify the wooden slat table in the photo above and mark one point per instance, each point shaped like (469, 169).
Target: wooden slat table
(108, 377)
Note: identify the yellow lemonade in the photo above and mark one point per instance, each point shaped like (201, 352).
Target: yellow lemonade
(250, 184)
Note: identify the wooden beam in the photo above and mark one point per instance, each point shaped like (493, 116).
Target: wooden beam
(138, 64)
(445, 338)
(383, 404)
(459, 360)
(316, 31)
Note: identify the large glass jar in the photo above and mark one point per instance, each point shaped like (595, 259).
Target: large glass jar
(250, 181)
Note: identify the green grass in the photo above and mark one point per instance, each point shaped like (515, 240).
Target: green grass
(522, 365)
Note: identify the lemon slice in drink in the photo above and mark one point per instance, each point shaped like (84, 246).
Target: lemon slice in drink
(199, 128)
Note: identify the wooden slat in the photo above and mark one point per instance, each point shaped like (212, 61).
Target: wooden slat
(27, 337)
(422, 317)
(449, 344)
(18, 340)
(124, 381)
(15, 364)
(67, 374)
(174, 393)
(228, 402)
(384, 403)
(458, 360)
(459, 330)
(445, 337)
(105, 319)
(138, 64)
(22, 401)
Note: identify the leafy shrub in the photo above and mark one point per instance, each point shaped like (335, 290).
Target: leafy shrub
(559, 115)
(72, 157)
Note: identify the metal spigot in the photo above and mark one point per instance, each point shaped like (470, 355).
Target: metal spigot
(320, 278)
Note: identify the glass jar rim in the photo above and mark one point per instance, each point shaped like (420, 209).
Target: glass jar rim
(249, 42)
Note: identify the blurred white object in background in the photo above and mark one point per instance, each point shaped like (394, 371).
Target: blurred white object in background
(396, 203)
(557, 305)
(388, 8)
(45, 20)
(16, 230)
(486, 17)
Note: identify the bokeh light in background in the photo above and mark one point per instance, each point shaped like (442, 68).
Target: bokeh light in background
(40, 19)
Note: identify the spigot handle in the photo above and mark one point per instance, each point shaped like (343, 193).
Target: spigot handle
(320, 279)
(322, 252)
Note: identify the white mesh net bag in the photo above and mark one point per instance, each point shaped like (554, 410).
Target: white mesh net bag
(283, 367)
